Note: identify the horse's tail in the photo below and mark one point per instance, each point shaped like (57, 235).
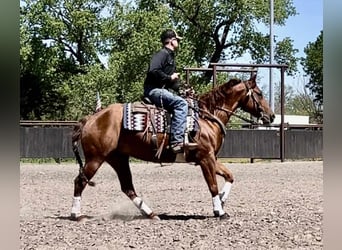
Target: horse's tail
(76, 136)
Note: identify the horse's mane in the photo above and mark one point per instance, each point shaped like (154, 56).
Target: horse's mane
(216, 97)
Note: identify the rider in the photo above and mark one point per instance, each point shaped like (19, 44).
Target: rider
(162, 76)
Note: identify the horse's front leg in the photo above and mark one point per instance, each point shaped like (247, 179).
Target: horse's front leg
(208, 166)
(228, 178)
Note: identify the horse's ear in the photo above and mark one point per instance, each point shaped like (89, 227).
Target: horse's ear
(252, 80)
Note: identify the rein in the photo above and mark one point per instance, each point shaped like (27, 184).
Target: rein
(250, 93)
(189, 93)
(211, 117)
(217, 119)
(238, 116)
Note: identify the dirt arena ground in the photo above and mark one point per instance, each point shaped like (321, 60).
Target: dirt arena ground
(271, 206)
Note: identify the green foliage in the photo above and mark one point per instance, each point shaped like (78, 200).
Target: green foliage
(303, 104)
(71, 26)
(225, 30)
(39, 96)
(132, 48)
(64, 44)
(284, 54)
(298, 102)
(59, 40)
(288, 95)
(313, 66)
(82, 90)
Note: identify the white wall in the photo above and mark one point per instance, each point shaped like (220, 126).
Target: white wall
(292, 119)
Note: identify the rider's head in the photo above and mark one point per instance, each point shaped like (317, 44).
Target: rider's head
(169, 37)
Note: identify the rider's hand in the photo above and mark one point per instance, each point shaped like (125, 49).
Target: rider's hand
(174, 76)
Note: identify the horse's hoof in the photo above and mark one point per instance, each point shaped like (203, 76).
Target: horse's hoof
(74, 216)
(224, 216)
(153, 216)
(156, 217)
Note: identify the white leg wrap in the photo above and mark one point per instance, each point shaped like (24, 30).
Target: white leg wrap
(225, 191)
(76, 206)
(139, 203)
(217, 205)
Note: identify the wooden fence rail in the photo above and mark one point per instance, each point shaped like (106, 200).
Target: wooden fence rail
(53, 140)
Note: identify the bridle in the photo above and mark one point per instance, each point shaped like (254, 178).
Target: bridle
(250, 94)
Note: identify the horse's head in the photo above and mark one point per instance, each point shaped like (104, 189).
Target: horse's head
(254, 102)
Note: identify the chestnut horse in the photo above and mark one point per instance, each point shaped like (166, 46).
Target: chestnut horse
(104, 139)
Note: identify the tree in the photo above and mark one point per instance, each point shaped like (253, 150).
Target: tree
(284, 54)
(39, 95)
(288, 96)
(303, 104)
(71, 26)
(223, 30)
(82, 91)
(63, 42)
(298, 102)
(59, 39)
(313, 67)
(134, 34)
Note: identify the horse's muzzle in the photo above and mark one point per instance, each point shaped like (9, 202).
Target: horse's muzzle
(267, 118)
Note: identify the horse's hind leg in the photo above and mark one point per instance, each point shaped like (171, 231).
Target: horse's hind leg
(120, 164)
(80, 182)
(228, 177)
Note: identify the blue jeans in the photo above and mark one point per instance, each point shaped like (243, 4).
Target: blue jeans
(175, 105)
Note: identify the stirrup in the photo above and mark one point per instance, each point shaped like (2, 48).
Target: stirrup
(177, 147)
(190, 145)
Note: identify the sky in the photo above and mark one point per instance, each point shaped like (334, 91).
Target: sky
(302, 28)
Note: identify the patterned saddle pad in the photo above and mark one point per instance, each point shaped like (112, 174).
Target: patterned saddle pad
(139, 116)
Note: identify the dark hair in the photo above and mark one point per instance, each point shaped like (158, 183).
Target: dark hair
(168, 34)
